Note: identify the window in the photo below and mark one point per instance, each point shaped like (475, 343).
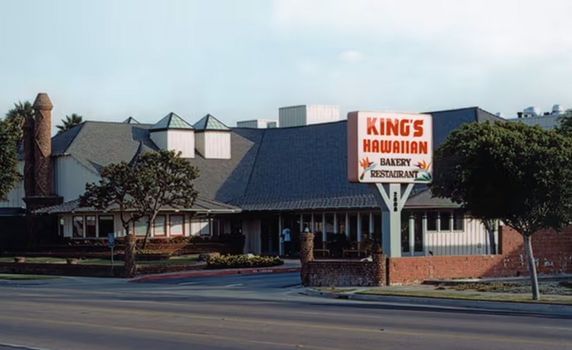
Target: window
(140, 227)
(205, 228)
(105, 225)
(405, 231)
(445, 221)
(77, 224)
(90, 226)
(159, 226)
(458, 220)
(177, 222)
(432, 221)
(61, 226)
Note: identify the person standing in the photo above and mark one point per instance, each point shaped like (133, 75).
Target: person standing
(286, 237)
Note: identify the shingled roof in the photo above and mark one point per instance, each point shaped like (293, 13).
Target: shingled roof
(297, 168)
(201, 205)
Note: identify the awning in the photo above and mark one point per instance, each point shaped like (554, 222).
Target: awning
(201, 205)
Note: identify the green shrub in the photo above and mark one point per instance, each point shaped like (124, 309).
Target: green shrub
(235, 261)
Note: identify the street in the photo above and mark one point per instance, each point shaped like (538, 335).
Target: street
(246, 312)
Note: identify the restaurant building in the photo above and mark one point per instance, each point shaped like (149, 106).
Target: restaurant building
(256, 182)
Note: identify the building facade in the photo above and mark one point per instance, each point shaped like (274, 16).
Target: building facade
(257, 182)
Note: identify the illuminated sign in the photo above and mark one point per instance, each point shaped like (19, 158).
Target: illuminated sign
(390, 147)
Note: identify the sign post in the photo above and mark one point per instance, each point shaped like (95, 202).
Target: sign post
(390, 150)
(111, 243)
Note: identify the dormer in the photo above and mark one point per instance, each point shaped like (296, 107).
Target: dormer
(174, 133)
(212, 138)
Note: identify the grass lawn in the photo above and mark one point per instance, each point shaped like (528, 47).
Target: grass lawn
(175, 260)
(9, 277)
(468, 295)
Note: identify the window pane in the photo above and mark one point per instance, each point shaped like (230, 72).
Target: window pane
(204, 227)
(78, 226)
(459, 221)
(141, 227)
(405, 231)
(159, 225)
(61, 226)
(106, 225)
(177, 225)
(432, 221)
(90, 226)
(445, 221)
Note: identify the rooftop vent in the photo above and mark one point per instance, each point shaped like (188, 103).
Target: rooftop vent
(557, 110)
(531, 111)
(257, 123)
(307, 114)
(212, 138)
(131, 120)
(174, 133)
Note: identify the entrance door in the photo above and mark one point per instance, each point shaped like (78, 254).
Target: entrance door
(269, 235)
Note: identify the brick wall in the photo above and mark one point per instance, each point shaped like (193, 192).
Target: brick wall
(552, 250)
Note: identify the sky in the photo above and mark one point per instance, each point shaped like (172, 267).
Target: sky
(108, 60)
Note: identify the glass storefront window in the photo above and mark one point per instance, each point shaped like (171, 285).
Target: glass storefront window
(159, 225)
(90, 230)
(176, 224)
(78, 229)
(432, 221)
(445, 221)
(140, 227)
(459, 220)
(105, 225)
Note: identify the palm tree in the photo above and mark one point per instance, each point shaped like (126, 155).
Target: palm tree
(69, 122)
(17, 115)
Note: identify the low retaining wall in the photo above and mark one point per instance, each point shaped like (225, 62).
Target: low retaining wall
(339, 273)
(552, 250)
(342, 273)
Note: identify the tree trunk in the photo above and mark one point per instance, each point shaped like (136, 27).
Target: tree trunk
(147, 234)
(130, 268)
(490, 226)
(150, 223)
(531, 267)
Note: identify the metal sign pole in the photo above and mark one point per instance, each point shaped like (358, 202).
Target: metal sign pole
(394, 201)
(111, 244)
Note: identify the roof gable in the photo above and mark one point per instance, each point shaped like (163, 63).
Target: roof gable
(209, 122)
(171, 121)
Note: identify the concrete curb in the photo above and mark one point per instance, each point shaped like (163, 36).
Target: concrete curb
(214, 273)
(559, 310)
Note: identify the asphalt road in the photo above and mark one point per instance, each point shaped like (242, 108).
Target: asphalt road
(248, 312)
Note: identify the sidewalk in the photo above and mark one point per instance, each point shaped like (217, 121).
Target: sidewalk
(288, 266)
(444, 303)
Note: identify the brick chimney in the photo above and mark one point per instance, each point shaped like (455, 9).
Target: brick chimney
(38, 173)
(43, 145)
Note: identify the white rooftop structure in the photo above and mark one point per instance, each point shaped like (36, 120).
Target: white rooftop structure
(257, 123)
(307, 114)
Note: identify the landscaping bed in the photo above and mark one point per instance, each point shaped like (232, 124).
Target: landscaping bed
(551, 290)
(241, 261)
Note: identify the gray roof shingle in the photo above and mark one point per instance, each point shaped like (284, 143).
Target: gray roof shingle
(294, 168)
(201, 205)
